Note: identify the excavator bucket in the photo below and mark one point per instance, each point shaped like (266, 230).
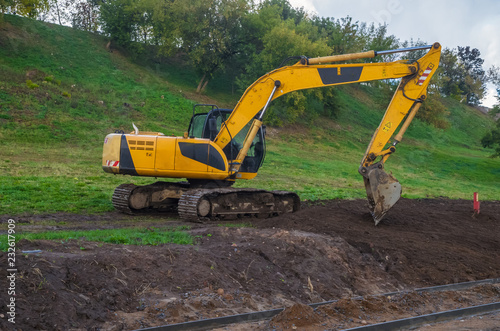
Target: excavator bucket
(382, 190)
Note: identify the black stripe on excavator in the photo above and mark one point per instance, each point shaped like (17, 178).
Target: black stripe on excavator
(331, 76)
(204, 153)
(126, 163)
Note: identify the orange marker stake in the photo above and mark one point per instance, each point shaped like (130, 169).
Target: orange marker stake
(476, 203)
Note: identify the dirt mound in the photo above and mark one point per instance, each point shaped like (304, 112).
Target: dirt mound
(327, 251)
(420, 243)
(347, 313)
(230, 270)
(296, 316)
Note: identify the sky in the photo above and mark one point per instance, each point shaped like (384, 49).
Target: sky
(452, 23)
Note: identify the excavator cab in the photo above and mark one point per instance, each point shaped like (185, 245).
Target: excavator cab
(206, 125)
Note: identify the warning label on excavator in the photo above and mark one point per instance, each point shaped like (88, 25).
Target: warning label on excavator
(110, 163)
(425, 74)
(387, 127)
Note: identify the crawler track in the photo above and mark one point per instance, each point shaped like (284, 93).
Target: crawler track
(199, 204)
(206, 204)
(132, 199)
(392, 325)
(121, 197)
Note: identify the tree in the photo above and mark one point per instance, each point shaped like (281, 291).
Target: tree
(412, 43)
(378, 40)
(80, 14)
(473, 84)
(28, 8)
(118, 19)
(210, 33)
(286, 11)
(159, 25)
(461, 76)
(492, 139)
(342, 35)
(449, 74)
(279, 42)
(5, 5)
(471, 60)
(85, 14)
(493, 75)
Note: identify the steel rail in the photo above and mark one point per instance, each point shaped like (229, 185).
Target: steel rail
(210, 323)
(421, 320)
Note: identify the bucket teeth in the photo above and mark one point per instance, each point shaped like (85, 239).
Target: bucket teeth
(382, 190)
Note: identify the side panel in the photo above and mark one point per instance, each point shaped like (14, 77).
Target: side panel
(165, 153)
(160, 156)
(191, 155)
(142, 152)
(200, 158)
(203, 153)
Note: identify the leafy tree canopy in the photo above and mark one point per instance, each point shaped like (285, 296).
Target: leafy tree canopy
(244, 39)
(28, 8)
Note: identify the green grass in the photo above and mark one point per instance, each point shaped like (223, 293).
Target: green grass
(50, 160)
(84, 91)
(125, 236)
(57, 178)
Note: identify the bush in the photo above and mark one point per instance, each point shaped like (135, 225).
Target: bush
(492, 139)
(433, 112)
(31, 85)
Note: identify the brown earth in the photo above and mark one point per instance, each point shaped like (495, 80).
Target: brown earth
(329, 250)
(351, 313)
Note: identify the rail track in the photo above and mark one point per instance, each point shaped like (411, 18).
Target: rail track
(443, 316)
(399, 324)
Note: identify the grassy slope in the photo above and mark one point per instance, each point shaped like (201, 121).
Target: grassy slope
(50, 160)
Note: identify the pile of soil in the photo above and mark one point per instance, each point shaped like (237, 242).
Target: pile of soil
(330, 250)
(350, 313)
(296, 316)
(419, 243)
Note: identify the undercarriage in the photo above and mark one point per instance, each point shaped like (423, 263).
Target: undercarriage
(197, 202)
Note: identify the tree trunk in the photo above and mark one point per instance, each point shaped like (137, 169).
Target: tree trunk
(204, 85)
(58, 13)
(200, 85)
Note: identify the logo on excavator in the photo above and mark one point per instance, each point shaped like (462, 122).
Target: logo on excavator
(387, 127)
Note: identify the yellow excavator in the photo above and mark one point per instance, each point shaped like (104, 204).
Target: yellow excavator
(223, 145)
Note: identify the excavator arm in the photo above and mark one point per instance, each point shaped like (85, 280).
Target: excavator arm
(383, 190)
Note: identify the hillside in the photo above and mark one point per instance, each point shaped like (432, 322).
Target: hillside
(62, 91)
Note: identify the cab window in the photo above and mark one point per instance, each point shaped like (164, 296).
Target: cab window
(196, 126)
